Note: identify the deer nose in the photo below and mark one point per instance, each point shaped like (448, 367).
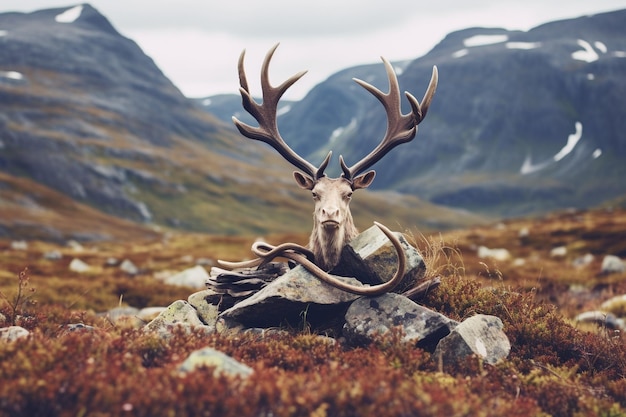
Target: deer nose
(330, 212)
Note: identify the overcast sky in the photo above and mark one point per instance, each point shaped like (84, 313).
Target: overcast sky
(196, 43)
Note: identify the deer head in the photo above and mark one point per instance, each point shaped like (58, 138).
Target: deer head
(333, 225)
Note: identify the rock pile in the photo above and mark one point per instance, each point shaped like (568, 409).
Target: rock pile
(242, 301)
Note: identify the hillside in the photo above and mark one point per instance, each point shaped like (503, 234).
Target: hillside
(522, 122)
(86, 115)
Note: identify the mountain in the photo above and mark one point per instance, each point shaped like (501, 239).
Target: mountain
(90, 127)
(521, 123)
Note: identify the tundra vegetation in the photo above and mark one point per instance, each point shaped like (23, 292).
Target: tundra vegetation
(556, 366)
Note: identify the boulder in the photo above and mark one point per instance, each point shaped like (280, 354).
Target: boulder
(369, 317)
(76, 265)
(295, 298)
(372, 259)
(480, 335)
(178, 313)
(221, 363)
(129, 267)
(206, 303)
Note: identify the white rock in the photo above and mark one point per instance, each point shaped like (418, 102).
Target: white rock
(129, 267)
(195, 277)
(79, 266)
(558, 252)
(12, 333)
(19, 245)
(499, 254)
(612, 263)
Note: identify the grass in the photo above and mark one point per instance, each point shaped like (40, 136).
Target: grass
(556, 367)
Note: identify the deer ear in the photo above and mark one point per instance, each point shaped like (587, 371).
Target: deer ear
(363, 180)
(304, 181)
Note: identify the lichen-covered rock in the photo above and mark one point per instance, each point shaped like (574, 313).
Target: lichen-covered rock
(612, 264)
(368, 317)
(294, 298)
(221, 363)
(481, 335)
(206, 304)
(372, 259)
(179, 313)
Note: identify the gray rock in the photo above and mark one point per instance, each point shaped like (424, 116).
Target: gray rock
(612, 264)
(53, 255)
(79, 327)
(13, 333)
(602, 318)
(371, 258)
(129, 267)
(195, 277)
(221, 363)
(293, 298)
(368, 317)
(481, 335)
(206, 303)
(76, 265)
(178, 313)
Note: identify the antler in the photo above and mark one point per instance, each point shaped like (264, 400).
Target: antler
(302, 255)
(401, 128)
(265, 114)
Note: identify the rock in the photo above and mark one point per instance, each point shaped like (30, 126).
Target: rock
(149, 313)
(206, 303)
(615, 305)
(79, 266)
(13, 333)
(77, 247)
(293, 298)
(195, 277)
(603, 319)
(612, 264)
(499, 254)
(368, 317)
(53, 255)
(129, 267)
(371, 258)
(481, 335)
(79, 327)
(558, 252)
(178, 313)
(221, 363)
(583, 261)
(124, 316)
(19, 245)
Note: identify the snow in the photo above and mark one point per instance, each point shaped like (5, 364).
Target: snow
(591, 77)
(619, 54)
(480, 40)
(12, 75)
(342, 129)
(206, 102)
(572, 140)
(597, 153)
(4, 32)
(70, 15)
(600, 47)
(587, 54)
(460, 53)
(522, 45)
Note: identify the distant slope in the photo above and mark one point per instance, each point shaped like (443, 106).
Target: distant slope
(86, 115)
(522, 122)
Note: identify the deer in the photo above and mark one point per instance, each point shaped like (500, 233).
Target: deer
(333, 225)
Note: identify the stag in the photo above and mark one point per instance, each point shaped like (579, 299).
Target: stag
(333, 225)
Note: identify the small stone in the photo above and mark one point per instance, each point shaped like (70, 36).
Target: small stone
(13, 333)
(79, 266)
(195, 277)
(149, 313)
(221, 363)
(481, 335)
(79, 327)
(129, 267)
(19, 245)
(558, 252)
(612, 264)
(498, 254)
(53, 255)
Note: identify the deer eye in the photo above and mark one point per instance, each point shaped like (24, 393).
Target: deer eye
(348, 196)
(315, 195)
